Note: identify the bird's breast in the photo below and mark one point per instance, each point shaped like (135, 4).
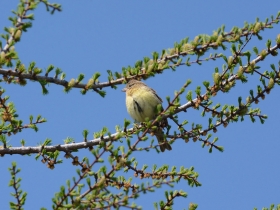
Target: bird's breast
(142, 105)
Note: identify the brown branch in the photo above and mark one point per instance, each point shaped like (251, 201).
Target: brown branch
(18, 26)
(15, 186)
(81, 177)
(131, 196)
(99, 86)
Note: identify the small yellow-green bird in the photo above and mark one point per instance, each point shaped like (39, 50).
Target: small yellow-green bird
(141, 103)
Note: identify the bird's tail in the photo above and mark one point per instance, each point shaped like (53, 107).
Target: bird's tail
(163, 144)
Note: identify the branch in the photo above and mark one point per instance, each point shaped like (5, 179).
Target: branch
(156, 65)
(15, 183)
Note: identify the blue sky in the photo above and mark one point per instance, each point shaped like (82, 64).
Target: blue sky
(90, 36)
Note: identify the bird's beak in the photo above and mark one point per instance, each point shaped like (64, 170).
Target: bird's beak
(124, 90)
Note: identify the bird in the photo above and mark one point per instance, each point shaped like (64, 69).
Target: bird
(141, 103)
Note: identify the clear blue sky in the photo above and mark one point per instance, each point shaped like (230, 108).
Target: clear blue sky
(90, 36)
